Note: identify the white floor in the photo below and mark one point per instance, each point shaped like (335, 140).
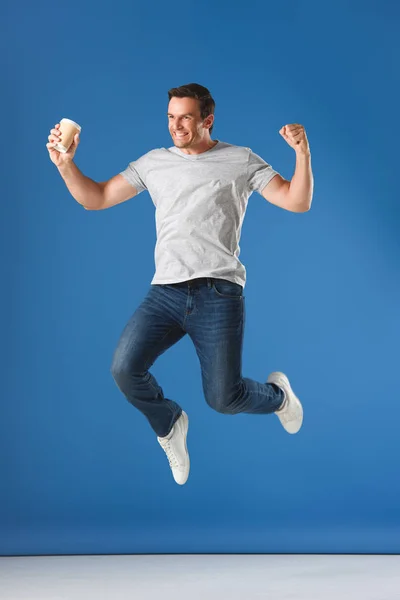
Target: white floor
(200, 577)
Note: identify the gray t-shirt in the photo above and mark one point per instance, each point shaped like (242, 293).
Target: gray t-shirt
(200, 201)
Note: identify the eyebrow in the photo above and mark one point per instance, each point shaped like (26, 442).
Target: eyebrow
(185, 115)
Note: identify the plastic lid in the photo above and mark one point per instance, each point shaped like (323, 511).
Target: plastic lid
(73, 123)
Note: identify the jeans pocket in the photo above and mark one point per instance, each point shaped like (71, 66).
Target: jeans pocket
(227, 289)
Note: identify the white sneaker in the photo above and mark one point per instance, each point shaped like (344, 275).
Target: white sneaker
(174, 446)
(291, 412)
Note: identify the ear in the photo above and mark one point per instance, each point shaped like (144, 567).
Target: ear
(209, 121)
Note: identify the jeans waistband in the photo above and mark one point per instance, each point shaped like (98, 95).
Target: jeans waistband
(195, 282)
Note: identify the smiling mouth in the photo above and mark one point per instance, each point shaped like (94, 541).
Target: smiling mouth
(180, 134)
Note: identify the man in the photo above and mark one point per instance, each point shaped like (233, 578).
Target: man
(200, 188)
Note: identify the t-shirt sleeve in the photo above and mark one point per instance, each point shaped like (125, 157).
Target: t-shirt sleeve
(135, 173)
(259, 173)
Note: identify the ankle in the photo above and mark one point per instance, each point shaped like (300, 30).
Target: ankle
(284, 401)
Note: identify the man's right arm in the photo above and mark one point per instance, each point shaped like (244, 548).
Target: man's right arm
(92, 195)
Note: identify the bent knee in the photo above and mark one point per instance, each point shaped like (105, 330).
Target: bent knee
(120, 368)
(223, 405)
(126, 364)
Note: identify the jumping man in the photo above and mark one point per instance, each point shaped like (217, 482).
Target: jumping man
(200, 188)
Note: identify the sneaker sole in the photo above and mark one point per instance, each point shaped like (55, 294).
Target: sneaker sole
(185, 433)
(279, 376)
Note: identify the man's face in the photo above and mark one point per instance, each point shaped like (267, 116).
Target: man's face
(184, 122)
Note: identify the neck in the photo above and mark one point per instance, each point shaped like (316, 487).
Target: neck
(199, 148)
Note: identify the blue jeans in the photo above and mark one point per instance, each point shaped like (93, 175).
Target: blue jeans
(212, 312)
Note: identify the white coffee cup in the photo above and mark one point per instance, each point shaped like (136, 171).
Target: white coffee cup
(68, 130)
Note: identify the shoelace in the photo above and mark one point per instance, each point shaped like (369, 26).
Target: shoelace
(173, 461)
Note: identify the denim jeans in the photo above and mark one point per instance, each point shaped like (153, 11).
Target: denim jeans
(212, 312)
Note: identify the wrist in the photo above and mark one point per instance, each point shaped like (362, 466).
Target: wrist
(65, 166)
(303, 154)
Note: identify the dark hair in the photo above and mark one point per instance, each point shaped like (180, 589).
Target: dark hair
(200, 93)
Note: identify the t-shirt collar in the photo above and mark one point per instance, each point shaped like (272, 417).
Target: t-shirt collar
(194, 156)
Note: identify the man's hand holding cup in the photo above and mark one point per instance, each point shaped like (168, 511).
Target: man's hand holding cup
(63, 142)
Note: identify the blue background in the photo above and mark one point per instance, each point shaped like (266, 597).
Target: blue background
(81, 470)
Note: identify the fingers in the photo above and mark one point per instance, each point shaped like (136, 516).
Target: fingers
(55, 135)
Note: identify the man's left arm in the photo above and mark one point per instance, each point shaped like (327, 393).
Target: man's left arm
(295, 195)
